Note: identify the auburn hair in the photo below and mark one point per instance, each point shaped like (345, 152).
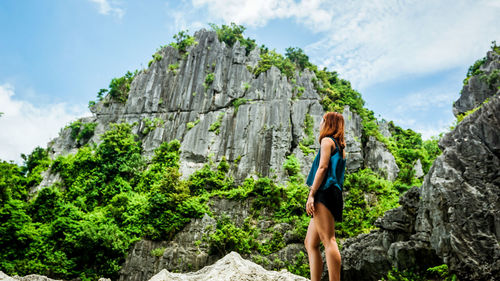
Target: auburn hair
(333, 126)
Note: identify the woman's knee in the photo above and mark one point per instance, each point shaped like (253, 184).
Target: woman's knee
(310, 245)
(329, 242)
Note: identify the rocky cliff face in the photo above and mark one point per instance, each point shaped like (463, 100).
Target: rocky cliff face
(480, 87)
(259, 120)
(452, 218)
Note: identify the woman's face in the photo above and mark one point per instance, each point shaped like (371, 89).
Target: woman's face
(321, 124)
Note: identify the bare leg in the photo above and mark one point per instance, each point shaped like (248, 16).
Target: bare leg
(325, 227)
(312, 247)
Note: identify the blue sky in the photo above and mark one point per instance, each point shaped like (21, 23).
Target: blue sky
(407, 58)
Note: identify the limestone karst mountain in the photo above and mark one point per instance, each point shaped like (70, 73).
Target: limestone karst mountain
(256, 121)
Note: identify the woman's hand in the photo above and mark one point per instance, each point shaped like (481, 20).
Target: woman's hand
(310, 203)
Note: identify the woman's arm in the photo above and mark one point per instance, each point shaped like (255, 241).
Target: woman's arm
(324, 159)
(326, 150)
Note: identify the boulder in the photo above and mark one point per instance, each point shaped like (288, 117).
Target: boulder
(231, 267)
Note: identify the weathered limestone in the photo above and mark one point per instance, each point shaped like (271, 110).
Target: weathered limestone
(379, 159)
(260, 132)
(454, 218)
(478, 89)
(231, 267)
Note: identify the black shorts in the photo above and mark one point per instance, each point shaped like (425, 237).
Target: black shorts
(333, 201)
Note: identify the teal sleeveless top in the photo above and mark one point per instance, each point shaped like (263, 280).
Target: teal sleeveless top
(335, 172)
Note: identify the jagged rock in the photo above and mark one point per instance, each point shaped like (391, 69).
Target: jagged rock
(477, 89)
(453, 218)
(353, 133)
(370, 256)
(419, 172)
(379, 159)
(383, 128)
(183, 253)
(231, 267)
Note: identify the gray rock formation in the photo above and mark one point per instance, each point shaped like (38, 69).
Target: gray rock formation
(379, 159)
(419, 172)
(383, 128)
(478, 89)
(353, 132)
(453, 218)
(231, 267)
(261, 132)
(183, 253)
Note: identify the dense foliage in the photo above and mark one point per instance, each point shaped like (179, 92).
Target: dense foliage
(229, 34)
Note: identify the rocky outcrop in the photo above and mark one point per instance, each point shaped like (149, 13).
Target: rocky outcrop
(478, 88)
(454, 218)
(260, 120)
(379, 159)
(231, 267)
(184, 253)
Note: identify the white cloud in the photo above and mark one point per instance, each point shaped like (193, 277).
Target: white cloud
(369, 41)
(109, 7)
(23, 126)
(429, 99)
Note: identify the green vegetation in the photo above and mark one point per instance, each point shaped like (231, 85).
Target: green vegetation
(108, 198)
(305, 143)
(229, 34)
(474, 69)
(150, 125)
(461, 117)
(362, 214)
(407, 147)
(156, 57)
(118, 88)
(183, 40)
(298, 57)
(190, 125)
(237, 102)
(245, 86)
(270, 58)
(158, 252)
(82, 132)
(173, 68)
(439, 272)
(491, 79)
(209, 79)
(215, 127)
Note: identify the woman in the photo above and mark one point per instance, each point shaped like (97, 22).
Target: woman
(324, 202)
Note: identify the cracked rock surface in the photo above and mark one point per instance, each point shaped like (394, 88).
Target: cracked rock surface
(453, 218)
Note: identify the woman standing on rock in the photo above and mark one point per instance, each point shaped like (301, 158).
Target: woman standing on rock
(324, 202)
